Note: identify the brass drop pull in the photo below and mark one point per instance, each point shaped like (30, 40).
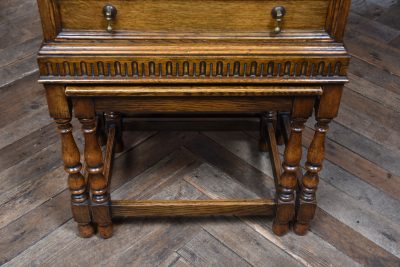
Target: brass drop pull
(109, 12)
(278, 13)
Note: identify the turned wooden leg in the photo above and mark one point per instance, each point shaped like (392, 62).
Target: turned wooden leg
(287, 181)
(76, 181)
(326, 109)
(101, 129)
(60, 110)
(308, 188)
(114, 120)
(285, 200)
(100, 198)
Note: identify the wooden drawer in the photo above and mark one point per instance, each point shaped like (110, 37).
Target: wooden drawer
(197, 41)
(219, 17)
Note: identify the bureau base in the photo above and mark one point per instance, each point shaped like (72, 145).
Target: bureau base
(168, 208)
(295, 201)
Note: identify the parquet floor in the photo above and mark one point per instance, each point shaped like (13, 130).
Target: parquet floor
(358, 220)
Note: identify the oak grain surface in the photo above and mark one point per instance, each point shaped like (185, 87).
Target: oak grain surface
(189, 16)
(357, 222)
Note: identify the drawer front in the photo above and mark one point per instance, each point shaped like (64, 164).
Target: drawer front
(195, 16)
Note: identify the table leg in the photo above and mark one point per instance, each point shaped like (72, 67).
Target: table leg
(100, 198)
(101, 129)
(264, 119)
(113, 119)
(76, 181)
(285, 210)
(326, 109)
(60, 110)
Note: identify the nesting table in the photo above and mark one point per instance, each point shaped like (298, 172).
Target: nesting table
(102, 61)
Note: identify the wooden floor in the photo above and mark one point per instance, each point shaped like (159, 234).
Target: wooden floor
(358, 220)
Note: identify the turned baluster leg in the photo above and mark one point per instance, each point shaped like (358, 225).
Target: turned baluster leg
(307, 200)
(113, 119)
(285, 200)
(100, 198)
(76, 181)
(59, 109)
(326, 109)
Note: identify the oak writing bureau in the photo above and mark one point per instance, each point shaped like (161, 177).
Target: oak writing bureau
(280, 59)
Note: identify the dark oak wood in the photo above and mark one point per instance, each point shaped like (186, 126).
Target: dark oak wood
(78, 15)
(141, 208)
(156, 62)
(100, 198)
(268, 141)
(192, 104)
(337, 18)
(326, 109)
(273, 148)
(76, 181)
(168, 91)
(301, 111)
(60, 110)
(113, 120)
(51, 20)
(202, 122)
(263, 142)
(108, 156)
(357, 215)
(329, 15)
(135, 208)
(221, 57)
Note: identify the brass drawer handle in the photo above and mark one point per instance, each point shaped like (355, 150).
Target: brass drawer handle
(109, 12)
(278, 13)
